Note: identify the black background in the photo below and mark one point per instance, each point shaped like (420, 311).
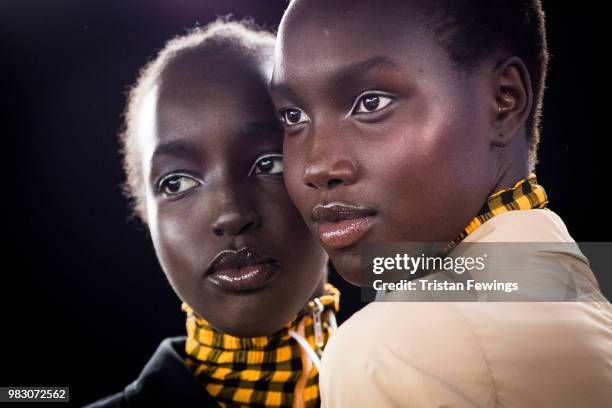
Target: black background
(84, 302)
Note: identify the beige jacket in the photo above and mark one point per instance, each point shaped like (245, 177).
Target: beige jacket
(472, 354)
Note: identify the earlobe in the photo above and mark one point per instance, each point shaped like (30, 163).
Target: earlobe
(512, 98)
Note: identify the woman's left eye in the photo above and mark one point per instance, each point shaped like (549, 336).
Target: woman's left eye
(176, 184)
(371, 102)
(268, 164)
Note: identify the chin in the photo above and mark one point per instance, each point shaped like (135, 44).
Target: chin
(254, 329)
(349, 268)
(248, 324)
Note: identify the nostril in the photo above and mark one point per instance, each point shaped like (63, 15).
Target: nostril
(247, 227)
(333, 183)
(218, 231)
(311, 185)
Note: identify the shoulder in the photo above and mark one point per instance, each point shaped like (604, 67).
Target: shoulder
(469, 354)
(427, 348)
(539, 240)
(535, 225)
(165, 381)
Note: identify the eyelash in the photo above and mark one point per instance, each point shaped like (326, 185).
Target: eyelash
(352, 111)
(283, 116)
(263, 157)
(163, 181)
(361, 97)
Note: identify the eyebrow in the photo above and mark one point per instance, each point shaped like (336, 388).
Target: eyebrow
(343, 76)
(176, 148)
(355, 70)
(262, 127)
(186, 148)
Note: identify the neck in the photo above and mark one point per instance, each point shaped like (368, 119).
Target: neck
(233, 369)
(513, 164)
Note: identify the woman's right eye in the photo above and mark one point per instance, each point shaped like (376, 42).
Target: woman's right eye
(293, 116)
(176, 184)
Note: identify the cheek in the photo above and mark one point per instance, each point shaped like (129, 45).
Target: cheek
(176, 246)
(443, 152)
(284, 226)
(280, 214)
(293, 169)
(436, 169)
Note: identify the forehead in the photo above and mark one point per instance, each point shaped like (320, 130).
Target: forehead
(205, 90)
(206, 100)
(212, 82)
(317, 38)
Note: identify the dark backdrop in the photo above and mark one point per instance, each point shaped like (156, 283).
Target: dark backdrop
(84, 302)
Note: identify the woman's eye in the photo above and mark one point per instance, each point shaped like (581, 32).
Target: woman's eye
(268, 164)
(177, 184)
(371, 102)
(293, 116)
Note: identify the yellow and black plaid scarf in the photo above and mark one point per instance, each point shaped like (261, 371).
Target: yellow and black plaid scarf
(524, 195)
(270, 371)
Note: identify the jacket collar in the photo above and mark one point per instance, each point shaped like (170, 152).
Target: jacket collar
(165, 381)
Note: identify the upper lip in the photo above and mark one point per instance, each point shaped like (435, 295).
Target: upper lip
(237, 258)
(334, 212)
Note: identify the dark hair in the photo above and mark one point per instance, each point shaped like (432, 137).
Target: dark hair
(223, 34)
(475, 29)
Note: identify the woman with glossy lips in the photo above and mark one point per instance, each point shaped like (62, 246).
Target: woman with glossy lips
(418, 121)
(203, 155)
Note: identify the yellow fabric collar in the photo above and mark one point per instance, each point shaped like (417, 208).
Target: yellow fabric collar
(526, 194)
(271, 371)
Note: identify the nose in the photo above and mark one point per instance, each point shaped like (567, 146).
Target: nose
(234, 216)
(327, 158)
(235, 223)
(328, 174)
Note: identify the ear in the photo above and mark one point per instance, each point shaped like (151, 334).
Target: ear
(513, 99)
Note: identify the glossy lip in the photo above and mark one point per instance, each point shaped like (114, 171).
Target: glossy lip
(342, 225)
(241, 270)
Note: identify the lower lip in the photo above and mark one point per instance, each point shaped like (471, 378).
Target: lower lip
(247, 278)
(344, 233)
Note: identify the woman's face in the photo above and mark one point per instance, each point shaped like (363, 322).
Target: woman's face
(230, 241)
(385, 140)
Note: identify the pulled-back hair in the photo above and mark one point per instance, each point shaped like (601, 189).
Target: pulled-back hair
(470, 30)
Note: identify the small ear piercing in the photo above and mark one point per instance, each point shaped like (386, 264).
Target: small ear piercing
(499, 109)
